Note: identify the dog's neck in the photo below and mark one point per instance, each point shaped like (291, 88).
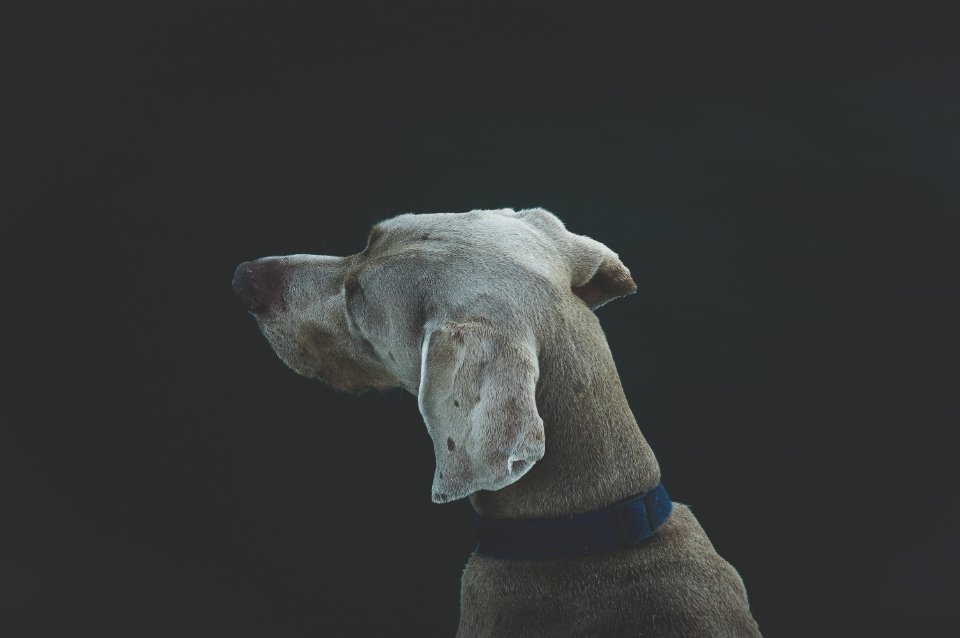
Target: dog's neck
(595, 453)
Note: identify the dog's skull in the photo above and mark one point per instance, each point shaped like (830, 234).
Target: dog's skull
(448, 306)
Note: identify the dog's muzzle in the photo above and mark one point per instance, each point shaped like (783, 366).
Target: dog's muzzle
(259, 283)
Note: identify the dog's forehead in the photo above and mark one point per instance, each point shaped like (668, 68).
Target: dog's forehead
(495, 239)
(496, 230)
(492, 223)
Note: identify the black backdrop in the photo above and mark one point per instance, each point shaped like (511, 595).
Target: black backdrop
(783, 186)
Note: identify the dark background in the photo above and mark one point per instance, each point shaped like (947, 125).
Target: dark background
(782, 184)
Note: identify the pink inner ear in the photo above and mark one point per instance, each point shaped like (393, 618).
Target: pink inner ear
(591, 294)
(611, 280)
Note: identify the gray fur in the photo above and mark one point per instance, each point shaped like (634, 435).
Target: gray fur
(487, 318)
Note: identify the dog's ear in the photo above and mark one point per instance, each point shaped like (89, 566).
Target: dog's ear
(596, 273)
(477, 398)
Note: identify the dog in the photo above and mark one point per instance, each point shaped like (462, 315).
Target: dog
(487, 317)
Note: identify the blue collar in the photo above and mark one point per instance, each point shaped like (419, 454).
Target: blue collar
(625, 523)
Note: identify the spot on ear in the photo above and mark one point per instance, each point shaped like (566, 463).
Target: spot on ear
(351, 285)
(391, 356)
(456, 403)
(450, 444)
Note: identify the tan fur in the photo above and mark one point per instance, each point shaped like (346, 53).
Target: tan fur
(487, 317)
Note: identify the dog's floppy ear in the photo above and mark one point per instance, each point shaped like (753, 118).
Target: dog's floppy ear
(477, 398)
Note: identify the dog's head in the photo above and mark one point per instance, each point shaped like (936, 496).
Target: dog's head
(449, 307)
